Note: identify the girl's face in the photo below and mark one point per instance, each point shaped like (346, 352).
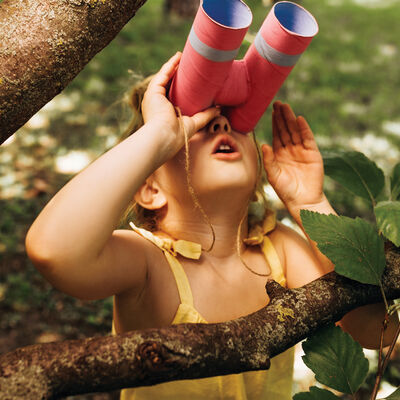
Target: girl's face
(222, 162)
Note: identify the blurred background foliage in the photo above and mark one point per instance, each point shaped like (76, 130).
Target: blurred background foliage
(346, 85)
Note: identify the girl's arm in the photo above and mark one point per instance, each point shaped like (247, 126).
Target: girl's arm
(73, 242)
(295, 170)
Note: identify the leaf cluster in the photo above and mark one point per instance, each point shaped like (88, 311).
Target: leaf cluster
(356, 248)
(338, 362)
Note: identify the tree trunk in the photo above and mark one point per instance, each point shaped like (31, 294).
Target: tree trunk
(45, 44)
(186, 351)
(183, 8)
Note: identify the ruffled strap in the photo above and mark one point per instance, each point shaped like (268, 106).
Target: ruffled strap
(183, 247)
(258, 231)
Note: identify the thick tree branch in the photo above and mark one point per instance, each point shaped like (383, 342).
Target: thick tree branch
(142, 358)
(45, 44)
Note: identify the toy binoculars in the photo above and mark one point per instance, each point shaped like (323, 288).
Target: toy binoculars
(209, 74)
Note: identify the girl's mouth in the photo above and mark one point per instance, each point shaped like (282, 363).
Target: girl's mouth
(226, 149)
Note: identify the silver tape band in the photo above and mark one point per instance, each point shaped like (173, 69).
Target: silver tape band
(209, 52)
(272, 55)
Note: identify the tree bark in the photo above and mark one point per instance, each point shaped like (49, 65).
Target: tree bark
(186, 351)
(45, 44)
(184, 8)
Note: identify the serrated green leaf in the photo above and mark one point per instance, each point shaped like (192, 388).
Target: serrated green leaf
(315, 394)
(355, 172)
(353, 245)
(395, 182)
(336, 359)
(388, 220)
(394, 396)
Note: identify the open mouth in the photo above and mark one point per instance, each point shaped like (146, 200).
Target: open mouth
(225, 145)
(226, 148)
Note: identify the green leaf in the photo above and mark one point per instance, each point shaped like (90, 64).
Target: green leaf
(388, 220)
(316, 394)
(336, 359)
(395, 182)
(356, 173)
(353, 245)
(394, 396)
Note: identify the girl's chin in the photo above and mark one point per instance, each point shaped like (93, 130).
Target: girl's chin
(224, 187)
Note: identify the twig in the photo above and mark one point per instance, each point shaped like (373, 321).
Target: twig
(379, 373)
(384, 298)
(382, 367)
(389, 353)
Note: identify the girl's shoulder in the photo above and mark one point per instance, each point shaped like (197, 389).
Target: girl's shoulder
(297, 257)
(285, 238)
(135, 246)
(132, 257)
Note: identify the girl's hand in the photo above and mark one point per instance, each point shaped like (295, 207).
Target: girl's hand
(157, 109)
(293, 164)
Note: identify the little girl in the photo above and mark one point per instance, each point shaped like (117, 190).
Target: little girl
(179, 272)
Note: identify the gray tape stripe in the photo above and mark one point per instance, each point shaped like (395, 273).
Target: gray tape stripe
(209, 52)
(272, 55)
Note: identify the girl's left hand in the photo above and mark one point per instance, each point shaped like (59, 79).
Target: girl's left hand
(156, 108)
(293, 164)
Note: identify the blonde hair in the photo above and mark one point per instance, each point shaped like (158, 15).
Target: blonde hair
(141, 216)
(148, 219)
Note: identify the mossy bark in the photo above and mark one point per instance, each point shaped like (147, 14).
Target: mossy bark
(142, 358)
(45, 44)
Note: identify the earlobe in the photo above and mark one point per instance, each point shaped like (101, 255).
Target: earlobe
(150, 195)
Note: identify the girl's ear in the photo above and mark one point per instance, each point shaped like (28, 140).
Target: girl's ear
(150, 195)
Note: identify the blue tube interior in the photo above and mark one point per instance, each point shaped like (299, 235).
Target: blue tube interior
(296, 19)
(230, 13)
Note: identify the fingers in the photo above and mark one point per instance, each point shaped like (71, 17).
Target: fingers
(281, 128)
(270, 165)
(201, 119)
(276, 140)
(268, 153)
(164, 75)
(306, 134)
(286, 127)
(290, 119)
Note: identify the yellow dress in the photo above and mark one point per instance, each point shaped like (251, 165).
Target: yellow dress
(273, 384)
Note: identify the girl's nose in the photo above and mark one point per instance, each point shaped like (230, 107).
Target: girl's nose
(219, 125)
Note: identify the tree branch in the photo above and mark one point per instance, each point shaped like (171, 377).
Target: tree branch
(45, 44)
(186, 351)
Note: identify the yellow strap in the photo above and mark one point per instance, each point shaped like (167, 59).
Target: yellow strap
(171, 248)
(274, 262)
(259, 230)
(182, 282)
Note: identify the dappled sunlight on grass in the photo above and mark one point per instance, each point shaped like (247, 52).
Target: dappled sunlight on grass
(72, 162)
(377, 148)
(392, 127)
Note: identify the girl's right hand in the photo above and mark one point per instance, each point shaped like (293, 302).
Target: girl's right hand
(158, 110)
